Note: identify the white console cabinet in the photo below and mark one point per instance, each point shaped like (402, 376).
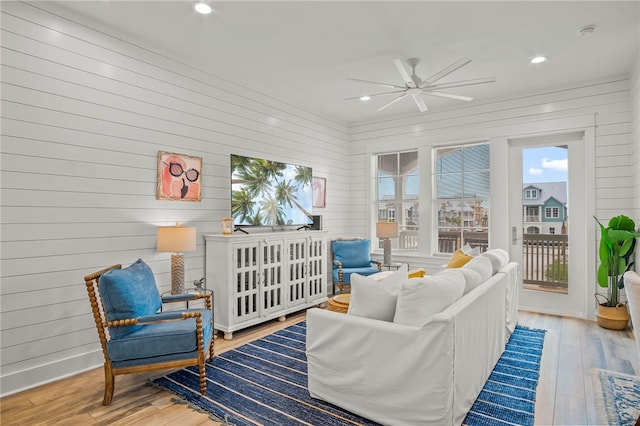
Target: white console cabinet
(259, 277)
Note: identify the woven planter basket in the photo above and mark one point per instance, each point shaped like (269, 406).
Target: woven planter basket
(612, 317)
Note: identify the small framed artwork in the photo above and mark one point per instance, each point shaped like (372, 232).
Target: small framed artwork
(319, 191)
(179, 177)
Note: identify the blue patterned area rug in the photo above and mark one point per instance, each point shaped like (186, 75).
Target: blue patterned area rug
(617, 397)
(265, 383)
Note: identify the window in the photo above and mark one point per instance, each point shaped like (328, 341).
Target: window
(531, 194)
(461, 177)
(551, 212)
(397, 189)
(533, 230)
(552, 230)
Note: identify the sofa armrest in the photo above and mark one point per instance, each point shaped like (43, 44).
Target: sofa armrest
(390, 372)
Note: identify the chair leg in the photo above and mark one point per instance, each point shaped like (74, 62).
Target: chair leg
(203, 377)
(109, 384)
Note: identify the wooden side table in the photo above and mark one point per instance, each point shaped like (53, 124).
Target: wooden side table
(339, 303)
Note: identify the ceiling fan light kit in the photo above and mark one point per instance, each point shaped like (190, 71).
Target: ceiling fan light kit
(415, 87)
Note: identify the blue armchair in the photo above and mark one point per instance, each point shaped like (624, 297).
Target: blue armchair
(351, 256)
(135, 335)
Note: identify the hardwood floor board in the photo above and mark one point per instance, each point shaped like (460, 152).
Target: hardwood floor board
(572, 348)
(589, 397)
(570, 411)
(547, 384)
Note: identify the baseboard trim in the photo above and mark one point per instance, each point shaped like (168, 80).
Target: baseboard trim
(46, 373)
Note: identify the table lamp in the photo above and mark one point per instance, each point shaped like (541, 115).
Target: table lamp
(177, 239)
(386, 231)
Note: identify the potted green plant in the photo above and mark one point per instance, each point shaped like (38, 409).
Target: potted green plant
(617, 245)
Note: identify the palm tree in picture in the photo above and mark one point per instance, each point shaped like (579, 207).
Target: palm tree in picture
(272, 211)
(286, 195)
(242, 205)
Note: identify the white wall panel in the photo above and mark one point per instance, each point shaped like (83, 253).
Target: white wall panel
(84, 113)
(601, 105)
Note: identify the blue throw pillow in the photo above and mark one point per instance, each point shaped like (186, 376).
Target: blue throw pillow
(352, 253)
(129, 293)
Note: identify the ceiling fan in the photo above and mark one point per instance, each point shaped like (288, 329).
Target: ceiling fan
(414, 86)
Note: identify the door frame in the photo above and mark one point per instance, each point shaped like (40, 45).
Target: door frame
(500, 235)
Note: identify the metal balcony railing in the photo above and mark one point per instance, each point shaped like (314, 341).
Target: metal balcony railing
(545, 257)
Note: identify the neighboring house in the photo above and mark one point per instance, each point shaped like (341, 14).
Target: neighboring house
(544, 208)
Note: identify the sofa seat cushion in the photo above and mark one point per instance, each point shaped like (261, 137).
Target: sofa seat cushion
(352, 253)
(129, 293)
(346, 273)
(165, 338)
(422, 298)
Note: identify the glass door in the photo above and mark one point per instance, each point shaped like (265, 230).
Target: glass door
(546, 239)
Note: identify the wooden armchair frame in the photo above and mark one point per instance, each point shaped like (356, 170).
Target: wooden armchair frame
(103, 326)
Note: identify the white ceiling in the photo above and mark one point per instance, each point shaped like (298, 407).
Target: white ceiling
(301, 52)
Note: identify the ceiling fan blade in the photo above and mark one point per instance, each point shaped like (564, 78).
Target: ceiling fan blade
(461, 83)
(392, 86)
(422, 106)
(449, 95)
(403, 72)
(392, 102)
(375, 94)
(448, 70)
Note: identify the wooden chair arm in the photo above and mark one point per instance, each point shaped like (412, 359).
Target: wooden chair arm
(155, 318)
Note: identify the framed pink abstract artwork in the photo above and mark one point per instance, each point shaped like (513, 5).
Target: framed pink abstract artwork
(179, 177)
(319, 192)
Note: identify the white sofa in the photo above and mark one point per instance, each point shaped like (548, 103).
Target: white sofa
(398, 374)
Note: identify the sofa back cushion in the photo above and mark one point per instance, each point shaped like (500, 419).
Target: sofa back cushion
(129, 293)
(352, 253)
(498, 258)
(421, 298)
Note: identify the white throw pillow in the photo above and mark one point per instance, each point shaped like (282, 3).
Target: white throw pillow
(482, 265)
(393, 282)
(466, 249)
(379, 276)
(369, 299)
(498, 258)
(421, 298)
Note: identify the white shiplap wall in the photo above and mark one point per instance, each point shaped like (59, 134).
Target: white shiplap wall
(83, 117)
(635, 136)
(603, 106)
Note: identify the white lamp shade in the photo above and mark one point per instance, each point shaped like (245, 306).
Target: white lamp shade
(176, 238)
(386, 229)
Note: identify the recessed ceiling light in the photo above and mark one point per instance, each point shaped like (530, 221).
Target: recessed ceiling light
(364, 98)
(538, 60)
(202, 7)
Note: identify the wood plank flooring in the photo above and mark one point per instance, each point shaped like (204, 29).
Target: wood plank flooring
(572, 348)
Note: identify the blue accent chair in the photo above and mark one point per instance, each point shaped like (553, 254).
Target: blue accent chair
(351, 256)
(136, 336)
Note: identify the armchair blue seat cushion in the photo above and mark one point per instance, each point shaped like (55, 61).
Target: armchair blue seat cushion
(352, 253)
(165, 341)
(129, 293)
(346, 273)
